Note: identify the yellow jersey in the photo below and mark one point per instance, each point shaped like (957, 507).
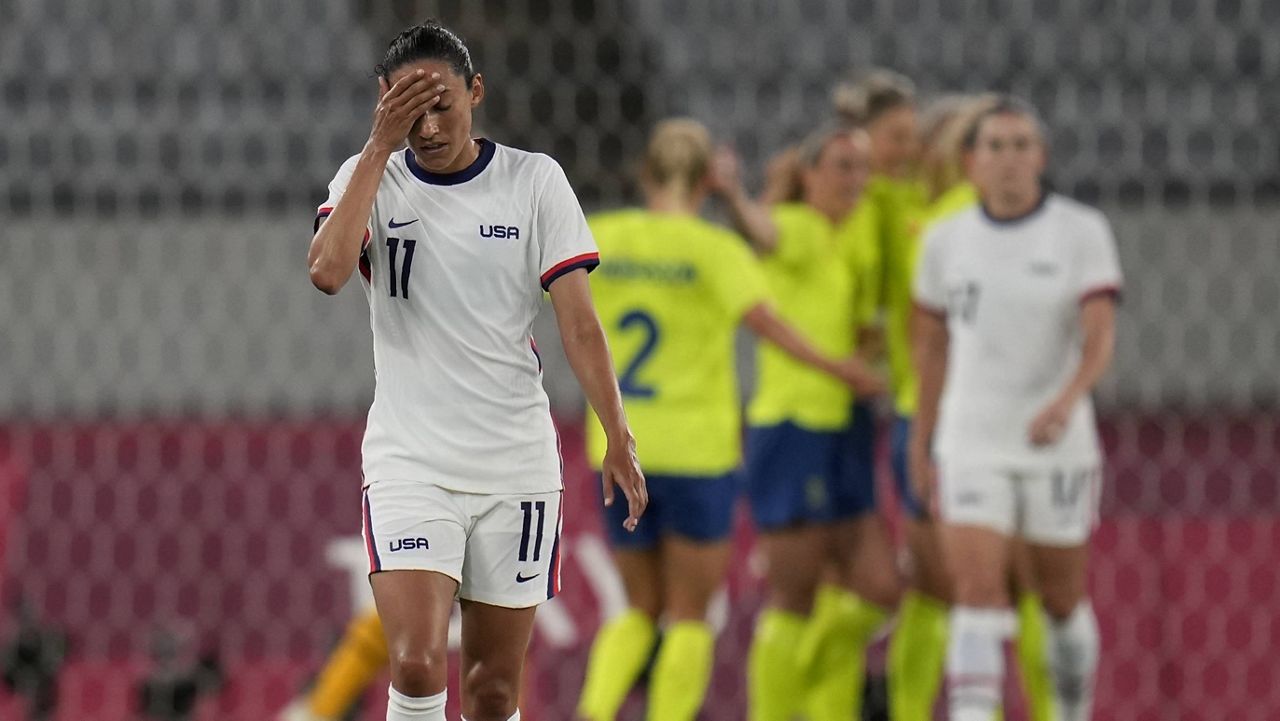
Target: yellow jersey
(810, 279)
(898, 319)
(860, 240)
(671, 290)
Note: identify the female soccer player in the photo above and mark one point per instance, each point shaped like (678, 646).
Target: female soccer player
(1015, 323)
(918, 646)
(672, 291)
(799, 480)
(456, 239)
(862, 585)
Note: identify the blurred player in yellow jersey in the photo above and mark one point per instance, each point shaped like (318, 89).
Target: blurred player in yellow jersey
(805, 486)
(864, 563)
(918, 646)
(360, 656)
(671, 291)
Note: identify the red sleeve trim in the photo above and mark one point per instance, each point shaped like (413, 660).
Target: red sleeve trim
(939, 313)
(586, 260)
(365, 269)
(324, 212)
(321, 214)
(1113, 291)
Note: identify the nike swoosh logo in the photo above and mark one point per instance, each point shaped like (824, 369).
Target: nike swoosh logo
(394, 224)
(521, 578)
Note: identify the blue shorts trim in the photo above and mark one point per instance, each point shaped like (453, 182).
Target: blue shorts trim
(698, 508)
(899, 439)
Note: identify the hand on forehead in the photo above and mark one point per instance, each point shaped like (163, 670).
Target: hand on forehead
(447, 76)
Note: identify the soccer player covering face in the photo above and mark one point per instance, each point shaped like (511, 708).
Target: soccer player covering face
(456, 239)
(804, 488)
(672, 289)
(1014, 325)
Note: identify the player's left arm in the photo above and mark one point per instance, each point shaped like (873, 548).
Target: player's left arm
(1098, 282)
(1098, 324)
(567, 253)
(587, 350)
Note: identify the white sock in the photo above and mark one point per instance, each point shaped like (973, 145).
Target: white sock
(1073, 660)
(975, 661)
(410, 708)
(514, 717)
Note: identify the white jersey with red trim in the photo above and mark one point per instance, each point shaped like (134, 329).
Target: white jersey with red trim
(454, 268)
(1011, 292)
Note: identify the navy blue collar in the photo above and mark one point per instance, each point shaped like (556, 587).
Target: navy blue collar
(986, 213)
(477, 166)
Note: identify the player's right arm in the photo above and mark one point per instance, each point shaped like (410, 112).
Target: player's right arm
(749, 217)
(930, 343)
(853, 371)
(738, 283)
(341, 237)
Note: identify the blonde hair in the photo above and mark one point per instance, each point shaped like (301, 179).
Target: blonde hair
(678, 155)
(860, 101)
(947, 123)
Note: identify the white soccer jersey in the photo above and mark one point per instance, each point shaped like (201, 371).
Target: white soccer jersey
(1011, 293)
(454, 269)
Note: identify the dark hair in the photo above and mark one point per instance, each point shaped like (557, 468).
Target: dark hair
(861, 101)
(1005, 105)
(427, 41)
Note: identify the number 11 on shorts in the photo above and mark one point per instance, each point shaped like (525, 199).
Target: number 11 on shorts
(528, 508)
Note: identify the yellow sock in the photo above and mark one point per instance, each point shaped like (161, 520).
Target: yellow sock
(682, 672)
(618, 655)
(835, 648)
(917, 653)
(1033, 658)
(359, 656)
(775, 679)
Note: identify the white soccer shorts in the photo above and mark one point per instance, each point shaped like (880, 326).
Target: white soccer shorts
(503, 550)
(1051, 506)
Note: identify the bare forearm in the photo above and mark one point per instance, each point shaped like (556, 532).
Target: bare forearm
(932, 374)
(929, 353)
(1098, 350)
(766, 324)
(752, 220)
(336, 246)
(588, 354)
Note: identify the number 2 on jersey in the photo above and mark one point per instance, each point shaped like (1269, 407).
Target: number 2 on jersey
(393, 244)
(629, 382)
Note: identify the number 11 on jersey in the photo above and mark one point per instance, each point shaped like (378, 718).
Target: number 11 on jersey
(393, 245)
(528, 507)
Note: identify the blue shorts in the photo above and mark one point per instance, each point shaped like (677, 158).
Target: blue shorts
(797, 476)
(855, 489)
(698, 508)
(898, 441)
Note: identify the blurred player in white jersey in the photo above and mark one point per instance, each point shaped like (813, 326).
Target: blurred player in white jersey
(1014, 324)
(456, 239)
